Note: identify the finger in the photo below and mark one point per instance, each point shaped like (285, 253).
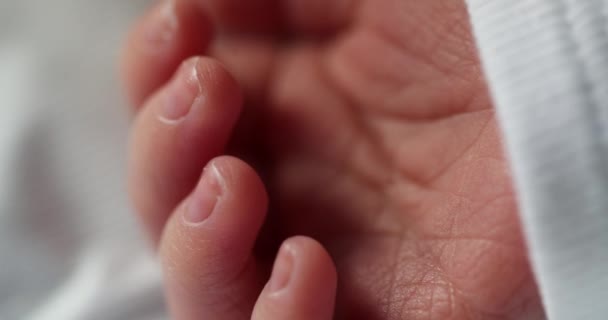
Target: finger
(169, 33)
(206, 248)
(302, 285)
(182, 127)
(237, 53)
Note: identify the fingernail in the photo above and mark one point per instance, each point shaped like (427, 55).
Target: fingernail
(206, 196)
(182, 93)
(163, 25)
(283, 268)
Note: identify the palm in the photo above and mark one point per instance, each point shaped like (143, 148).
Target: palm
(380, 141)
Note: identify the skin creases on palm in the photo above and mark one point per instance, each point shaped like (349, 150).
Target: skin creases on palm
(381, 142)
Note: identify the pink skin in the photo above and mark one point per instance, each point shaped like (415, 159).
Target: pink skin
(374, 134)
(208, 235)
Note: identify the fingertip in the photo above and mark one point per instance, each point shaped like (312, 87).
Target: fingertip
(302, 285)
(206, 247)
(239, 202)
(170, 32)
(216, 226)
(180, 129)
(242, 183)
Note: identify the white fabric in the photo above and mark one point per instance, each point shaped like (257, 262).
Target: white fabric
(547, 65)
(69, 246)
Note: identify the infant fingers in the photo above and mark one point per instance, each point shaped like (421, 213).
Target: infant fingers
(302, 285)
(206, 248)
(183, 126)
(171, 32)
(210, 272)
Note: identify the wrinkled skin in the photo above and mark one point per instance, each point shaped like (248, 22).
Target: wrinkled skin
(375, 134)
(372, 128)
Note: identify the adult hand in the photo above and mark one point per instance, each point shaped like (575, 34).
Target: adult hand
(371, 127)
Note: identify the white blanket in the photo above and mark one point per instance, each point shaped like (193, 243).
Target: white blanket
(69, 246)
(547, 65)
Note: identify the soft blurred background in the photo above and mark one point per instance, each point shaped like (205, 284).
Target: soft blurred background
(69, 247)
